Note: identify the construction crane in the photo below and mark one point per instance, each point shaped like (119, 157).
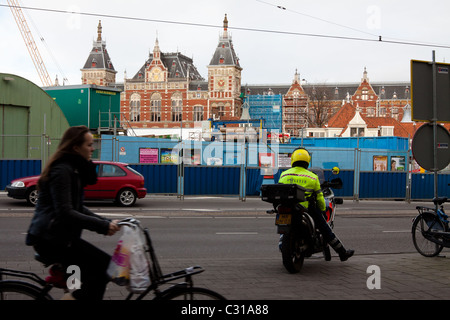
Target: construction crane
(29, 42)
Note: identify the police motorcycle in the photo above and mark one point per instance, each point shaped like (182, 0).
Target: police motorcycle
(300, 238)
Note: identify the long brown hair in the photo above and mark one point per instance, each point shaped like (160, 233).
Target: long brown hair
(74, 136)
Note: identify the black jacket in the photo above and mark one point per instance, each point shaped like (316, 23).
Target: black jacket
(60, 215)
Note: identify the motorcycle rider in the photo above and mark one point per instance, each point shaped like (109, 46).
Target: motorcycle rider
(298, 174)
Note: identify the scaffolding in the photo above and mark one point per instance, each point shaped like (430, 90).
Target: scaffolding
(267, 108)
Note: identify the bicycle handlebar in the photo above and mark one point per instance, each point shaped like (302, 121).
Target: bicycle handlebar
(131, 222)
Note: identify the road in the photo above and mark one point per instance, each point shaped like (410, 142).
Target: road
(236, 242)
(216, 227)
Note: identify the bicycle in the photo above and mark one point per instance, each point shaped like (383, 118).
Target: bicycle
(430, 229)
(39, 288)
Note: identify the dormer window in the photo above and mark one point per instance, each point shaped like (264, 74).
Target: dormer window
(355, 132)
(94, 63)
(365, 94)
(221, 60)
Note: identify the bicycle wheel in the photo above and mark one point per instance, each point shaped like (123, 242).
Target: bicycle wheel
(424, 246)
(20, 290)
(192, 293)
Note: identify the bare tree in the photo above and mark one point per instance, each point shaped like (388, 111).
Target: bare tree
(320, 105)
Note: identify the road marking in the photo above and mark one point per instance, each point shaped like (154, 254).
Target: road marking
(236, 233)
(205, 210)
(127, 215)
(396, 231)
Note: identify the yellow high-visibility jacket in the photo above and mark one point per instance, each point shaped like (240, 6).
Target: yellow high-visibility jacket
(306, 179)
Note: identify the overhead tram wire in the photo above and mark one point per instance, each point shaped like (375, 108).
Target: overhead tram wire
(293, 33)
(380, 37)
(317, 18)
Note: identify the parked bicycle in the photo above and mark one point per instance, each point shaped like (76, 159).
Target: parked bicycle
(430, 229)
(39, 289)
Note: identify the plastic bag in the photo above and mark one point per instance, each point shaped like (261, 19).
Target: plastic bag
(139, 265)
(119, 266)
(129, 264)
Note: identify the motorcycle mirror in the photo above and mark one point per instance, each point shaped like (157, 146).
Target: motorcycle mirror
(335, 170)
(336, 183)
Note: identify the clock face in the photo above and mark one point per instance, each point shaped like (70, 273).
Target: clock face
(156, 74)
(220, 82)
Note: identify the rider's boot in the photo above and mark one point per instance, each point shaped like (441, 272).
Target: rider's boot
(337, 245)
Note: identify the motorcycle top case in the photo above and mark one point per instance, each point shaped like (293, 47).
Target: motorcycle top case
(276, 193)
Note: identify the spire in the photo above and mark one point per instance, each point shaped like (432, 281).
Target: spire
(225, 27)
(296, 77)
(156, 50)
(225, 54)
(365, 76)
(99, 31)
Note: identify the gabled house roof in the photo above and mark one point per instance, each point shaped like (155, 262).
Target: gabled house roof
(347, 112)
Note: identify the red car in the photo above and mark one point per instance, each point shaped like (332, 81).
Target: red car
(116, 181)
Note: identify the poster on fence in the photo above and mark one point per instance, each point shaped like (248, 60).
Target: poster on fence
(397, 163)
(267, 163)
(148, 155)
(284, 160)
(167, 156)
(380, 163)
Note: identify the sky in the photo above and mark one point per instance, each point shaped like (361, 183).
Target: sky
(325, 41)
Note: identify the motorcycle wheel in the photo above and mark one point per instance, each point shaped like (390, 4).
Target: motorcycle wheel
(293, 258)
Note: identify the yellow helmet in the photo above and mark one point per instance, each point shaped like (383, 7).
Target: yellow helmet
(300, 155)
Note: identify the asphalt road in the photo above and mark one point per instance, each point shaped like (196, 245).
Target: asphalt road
(218, 227)
(236, 242)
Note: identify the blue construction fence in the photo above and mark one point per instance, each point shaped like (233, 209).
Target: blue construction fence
(326, 153)
(229, 180)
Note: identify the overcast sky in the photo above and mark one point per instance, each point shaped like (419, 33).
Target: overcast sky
(327, 41)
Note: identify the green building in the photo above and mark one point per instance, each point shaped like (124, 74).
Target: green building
(96, 107)
(30, 120)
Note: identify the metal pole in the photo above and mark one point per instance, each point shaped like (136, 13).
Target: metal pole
(434, 121)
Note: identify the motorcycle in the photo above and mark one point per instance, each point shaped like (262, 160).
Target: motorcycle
(300, 238)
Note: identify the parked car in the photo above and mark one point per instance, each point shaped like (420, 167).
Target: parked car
(116, 181)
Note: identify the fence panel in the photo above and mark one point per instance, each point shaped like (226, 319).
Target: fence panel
(159, 178)
(382, 185)
(211, 180)
(422, 186)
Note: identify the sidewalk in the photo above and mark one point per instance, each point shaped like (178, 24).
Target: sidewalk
(402, 276)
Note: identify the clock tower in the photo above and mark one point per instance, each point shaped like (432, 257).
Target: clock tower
(155, 71)
(224, 79)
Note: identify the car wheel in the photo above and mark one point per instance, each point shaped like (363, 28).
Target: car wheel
(32, 196)
(126, 197)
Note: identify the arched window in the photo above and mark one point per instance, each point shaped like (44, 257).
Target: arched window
(198, 113)
(135, 107)
(155, 107)
(177, 107)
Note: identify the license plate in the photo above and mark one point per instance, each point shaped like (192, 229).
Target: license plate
(283, 219)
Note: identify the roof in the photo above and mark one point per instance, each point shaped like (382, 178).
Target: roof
(177, 65)
(224, 54)
(384, 90)
(99, 58)
(347, 112)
